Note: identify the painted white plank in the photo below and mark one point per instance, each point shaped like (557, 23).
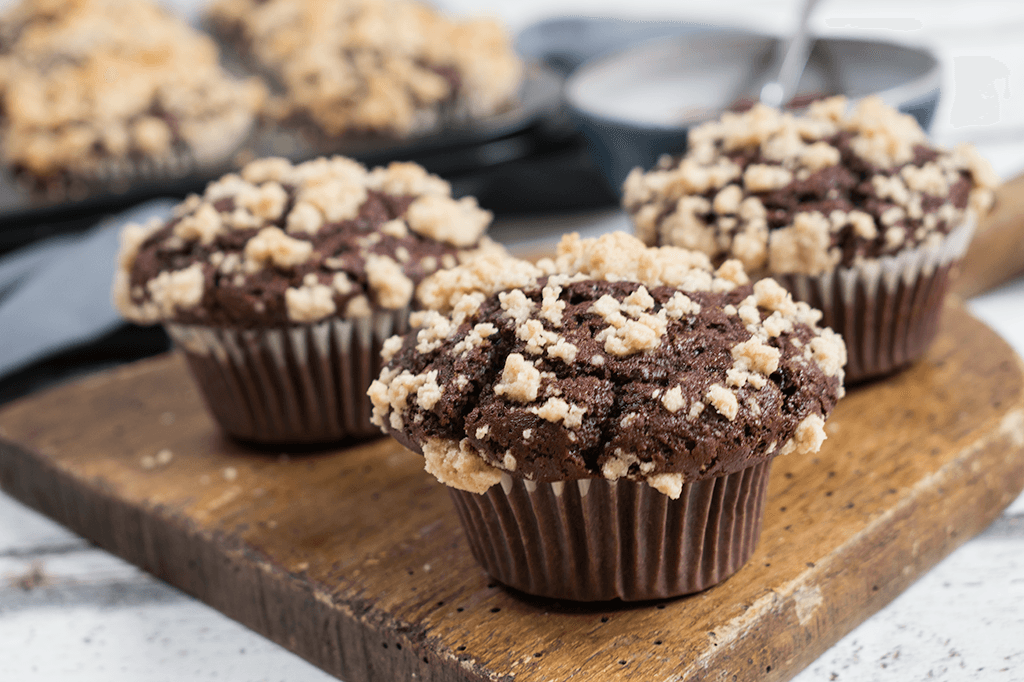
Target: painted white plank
(1003, 310)
(1016, 507)
(961, 622)
(87, 563)
(111, 621)
(24, 531)
(181, 640)
(84, 577)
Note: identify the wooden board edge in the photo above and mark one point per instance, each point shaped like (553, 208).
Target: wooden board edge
(996, 254)
(288, 611)
(796, 618)
(348, 640)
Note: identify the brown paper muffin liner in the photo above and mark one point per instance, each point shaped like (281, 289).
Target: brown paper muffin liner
(136, 176)
(106, 176)
(596, 540)
(887, 310)
(304, 384)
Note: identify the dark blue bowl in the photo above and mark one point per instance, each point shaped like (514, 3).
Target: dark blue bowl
(636, 104)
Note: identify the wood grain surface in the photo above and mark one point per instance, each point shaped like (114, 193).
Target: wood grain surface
(354, 559)
(996, 254)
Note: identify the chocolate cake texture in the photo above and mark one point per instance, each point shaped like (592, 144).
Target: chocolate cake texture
(611, 361)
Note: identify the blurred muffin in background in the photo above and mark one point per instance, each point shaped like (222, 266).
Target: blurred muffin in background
(853, 211)
(102, 90)
(393, 67)
(281, 283)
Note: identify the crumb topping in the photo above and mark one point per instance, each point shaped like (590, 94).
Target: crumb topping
(307, 304)
(182, 289)
(557, 410)
(88, 83)
(460, 223)
(809, 436)
(458, 465)
(279, 244)
(673, 399)
(271, 247)
(396, 67)
(608, 376)
(723, 400)
(612, 257)
(520, 380)
(808, 193)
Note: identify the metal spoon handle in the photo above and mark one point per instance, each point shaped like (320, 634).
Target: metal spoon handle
(781, 90)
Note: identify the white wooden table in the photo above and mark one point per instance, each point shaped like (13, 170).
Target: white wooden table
(72, 612)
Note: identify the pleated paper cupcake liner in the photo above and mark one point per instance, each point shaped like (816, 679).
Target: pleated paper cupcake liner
(887, 310)
(132, 177)
(102, 177)
(597, 540)
(304, 384)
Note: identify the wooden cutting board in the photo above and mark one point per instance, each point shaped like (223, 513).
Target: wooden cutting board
(354, 558)
(997, 250)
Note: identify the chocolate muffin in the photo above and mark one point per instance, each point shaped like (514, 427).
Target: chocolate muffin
(281, 283)
(606, 421)
(853, 212)
(96, 92)
(392, 67)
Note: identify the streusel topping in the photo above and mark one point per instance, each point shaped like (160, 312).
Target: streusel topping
(373, 65)
(281, 244)
(612, 360)
(787, 193)
(90, 82)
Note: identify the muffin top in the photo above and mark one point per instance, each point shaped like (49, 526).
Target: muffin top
(281, 244)
(612, 360)
(84, 82)
(807, 193)
(384, 66)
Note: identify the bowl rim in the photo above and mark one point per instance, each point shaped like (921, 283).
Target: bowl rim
(909, 91)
